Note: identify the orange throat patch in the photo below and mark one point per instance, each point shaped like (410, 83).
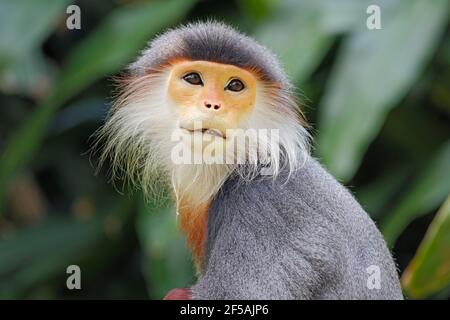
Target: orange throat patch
(194, 223)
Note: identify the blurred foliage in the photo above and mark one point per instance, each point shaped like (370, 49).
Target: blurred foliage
(429, 271)
(366, 60)
(378, 101)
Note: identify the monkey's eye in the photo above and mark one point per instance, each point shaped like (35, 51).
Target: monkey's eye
(235, 85)
(193, 78)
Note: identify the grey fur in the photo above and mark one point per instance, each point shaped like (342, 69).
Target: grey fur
(304, 238)
(210, 41)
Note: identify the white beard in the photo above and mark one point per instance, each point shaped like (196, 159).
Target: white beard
(196, 184)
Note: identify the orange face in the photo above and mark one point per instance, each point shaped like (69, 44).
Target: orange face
(218, 95)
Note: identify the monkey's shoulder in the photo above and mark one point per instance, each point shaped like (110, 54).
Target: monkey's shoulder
(309, 226)
(309, 207)
(310, 195)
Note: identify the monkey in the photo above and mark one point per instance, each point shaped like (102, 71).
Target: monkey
(267, 221)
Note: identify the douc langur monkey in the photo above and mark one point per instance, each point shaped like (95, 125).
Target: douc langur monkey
(268, 222)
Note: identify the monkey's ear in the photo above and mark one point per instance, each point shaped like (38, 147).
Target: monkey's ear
(130, 87)
(283, 98)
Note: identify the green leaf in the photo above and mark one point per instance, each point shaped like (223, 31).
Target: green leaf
(374, 70)
(427, 192)
(258, 9)
(104, 52)
(429, 271)
(24, 26)
(345, 15)
(294, 32)
(167, 263)
(38, 254)
(300, 32)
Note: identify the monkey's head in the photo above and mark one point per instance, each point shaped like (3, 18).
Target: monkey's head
(203, 91)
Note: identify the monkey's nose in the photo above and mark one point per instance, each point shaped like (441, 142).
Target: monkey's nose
(212, 106)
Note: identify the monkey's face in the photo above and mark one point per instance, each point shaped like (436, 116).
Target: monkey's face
(240, 104)
(200, 101)
(218, 96)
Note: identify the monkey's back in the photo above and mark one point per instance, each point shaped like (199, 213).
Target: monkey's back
(305, 237)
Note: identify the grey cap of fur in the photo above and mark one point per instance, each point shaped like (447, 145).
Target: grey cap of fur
(211, 41)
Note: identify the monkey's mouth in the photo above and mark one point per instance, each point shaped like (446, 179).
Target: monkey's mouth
(210, 131)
